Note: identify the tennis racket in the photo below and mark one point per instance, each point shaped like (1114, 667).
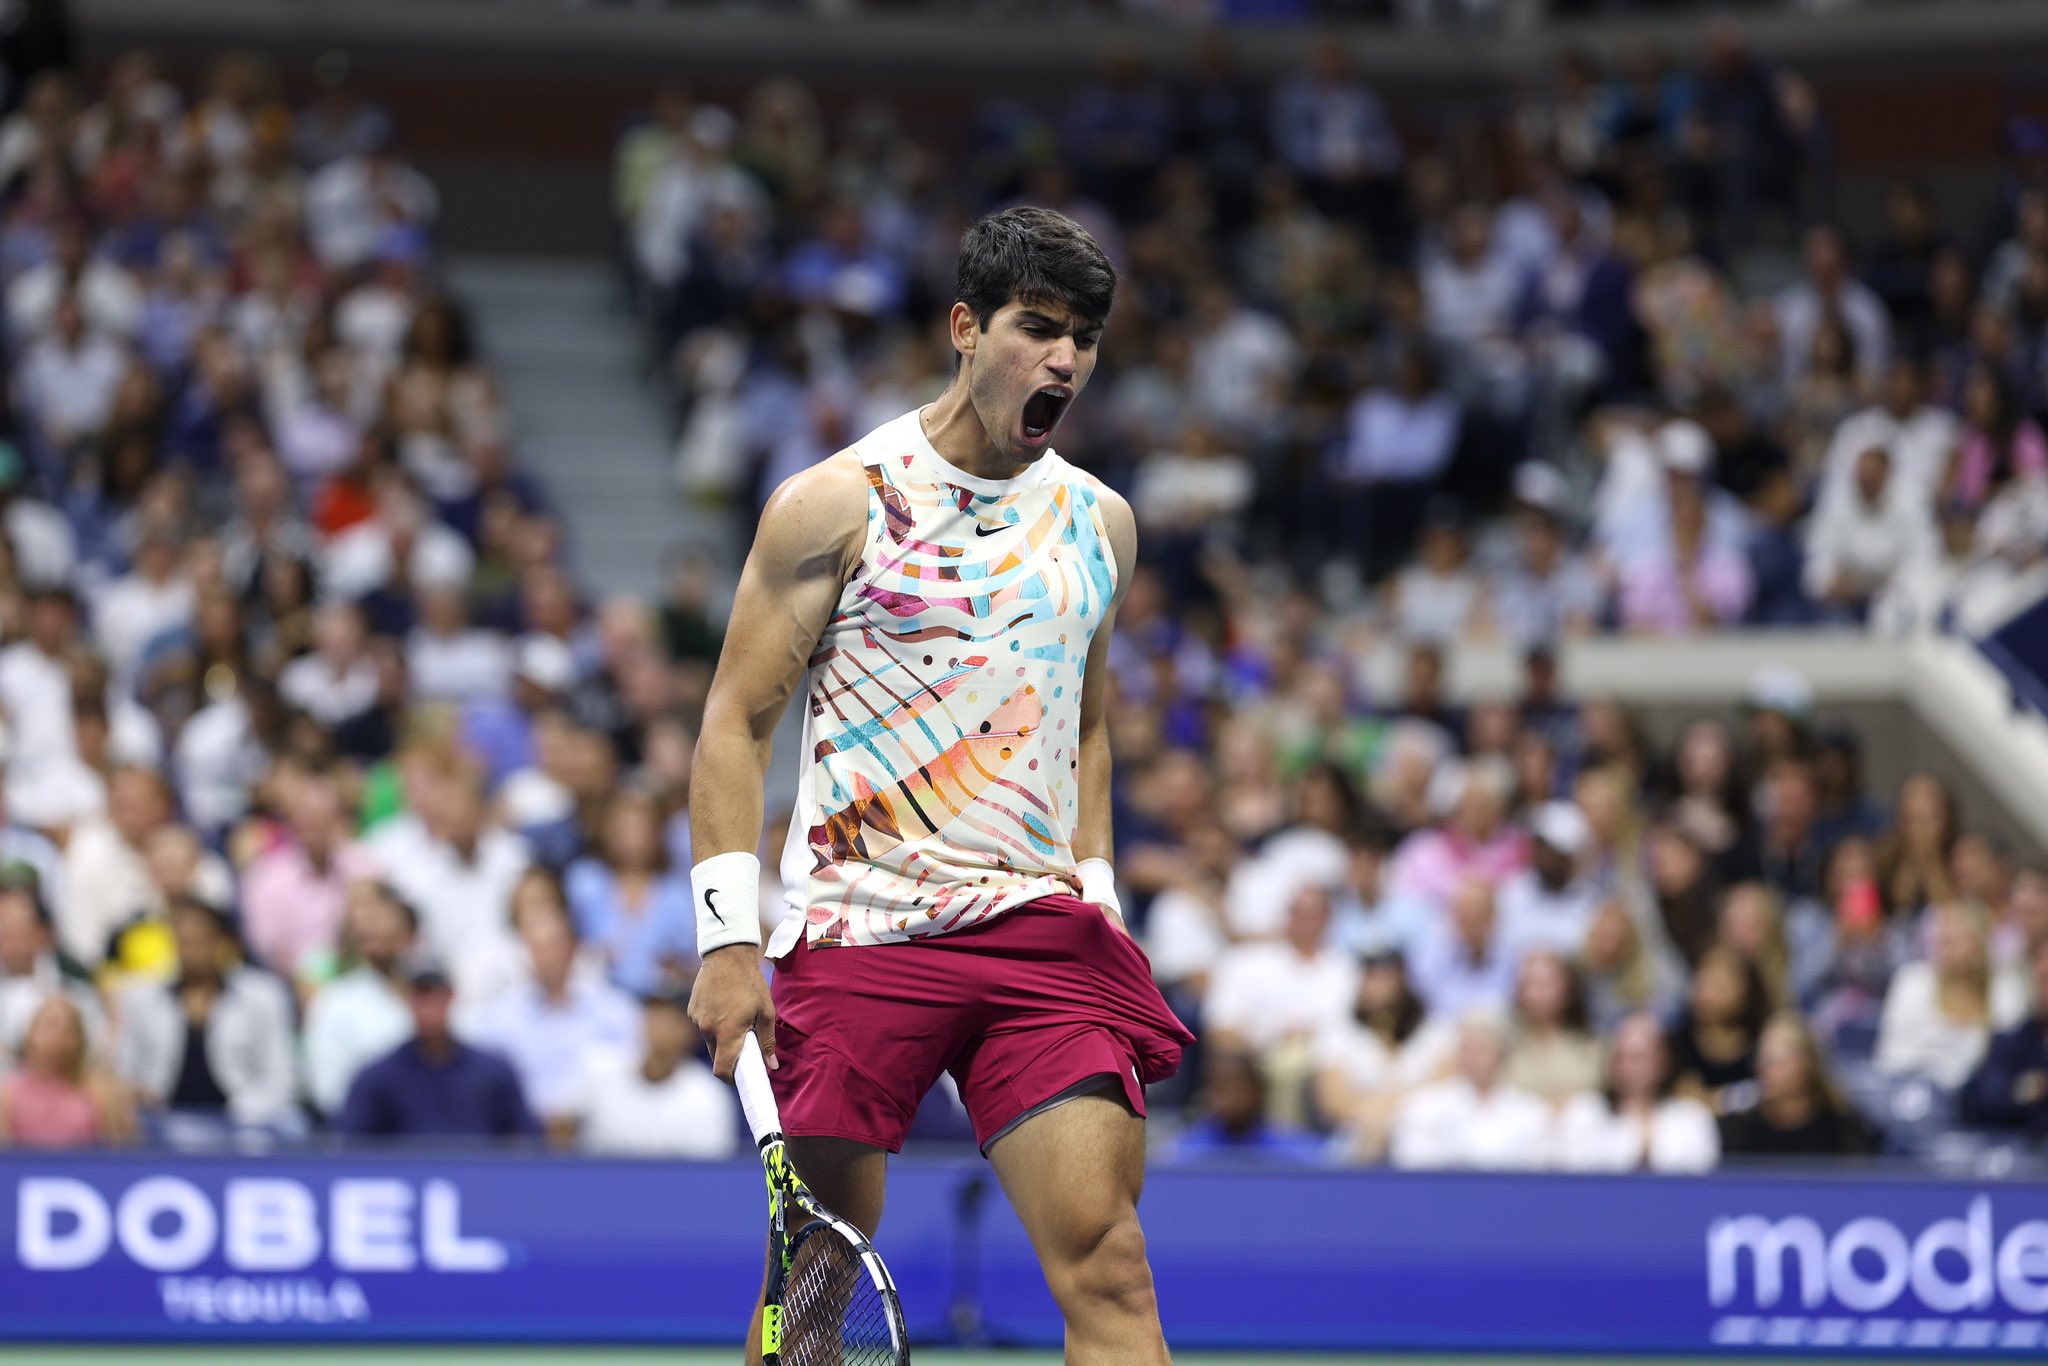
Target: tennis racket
(830, 1301)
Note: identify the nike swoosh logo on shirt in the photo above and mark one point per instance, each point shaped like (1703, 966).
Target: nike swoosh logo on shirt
(990, 530)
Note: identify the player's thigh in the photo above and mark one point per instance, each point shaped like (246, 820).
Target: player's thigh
(848, 1178)
(1074, 1172)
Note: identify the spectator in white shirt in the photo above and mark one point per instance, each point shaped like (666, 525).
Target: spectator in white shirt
(352, 203)
(35, 691)
(1241, 360)
(1438, 597)
(457, 871)
(1551, 903)
(1470, 290)
(1829, 288)
(362, 1014)
(1862, 536)
(1462, 965)
(66, 382)
(447, 658)
(1371, 1058)
(1472, 1119)
(106, 874)
(1940, 1014)
(107, 296)
(31, 970)
(154, 598)
(45, 551)
(1549, 591)
(1919, 436)
(664, 1102)
(1638, 1122)
(338, 680)
(549, 1025)
(1267, 994)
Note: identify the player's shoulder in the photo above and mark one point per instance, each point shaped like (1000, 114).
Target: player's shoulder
(822, 502)
(1116, 509)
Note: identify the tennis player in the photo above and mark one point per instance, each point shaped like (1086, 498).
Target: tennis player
(945, 588)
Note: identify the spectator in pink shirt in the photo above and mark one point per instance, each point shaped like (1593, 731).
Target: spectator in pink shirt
(1474, 840)
(292, 895)
(1691, 585)
(1999, 441)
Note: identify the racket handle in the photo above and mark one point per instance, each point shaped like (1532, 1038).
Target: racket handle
(757, 1098)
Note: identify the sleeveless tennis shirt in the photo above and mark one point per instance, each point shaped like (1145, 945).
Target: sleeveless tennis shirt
(943, 703)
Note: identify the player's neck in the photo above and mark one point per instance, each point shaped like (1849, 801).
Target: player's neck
(956, 432)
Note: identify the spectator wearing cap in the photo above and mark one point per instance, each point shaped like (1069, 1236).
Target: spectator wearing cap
(548, 1024)
(1548, 591)
(500, 730)
(337, 681)
(1461, 962)
(362, 1014)
(1473, 1118)
(215, 1042)
(293, 893)
(1473, 838)
(1550, 904)
(32, 970)
(434, 1085)
(664, 1102)
(1861, 537)
(2009, 1088)
(1693, 582)
(448, 657)
(1636, 1122)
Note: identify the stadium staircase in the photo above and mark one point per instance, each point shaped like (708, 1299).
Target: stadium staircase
(585, 420)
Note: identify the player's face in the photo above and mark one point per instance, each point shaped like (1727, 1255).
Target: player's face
(1029, 365)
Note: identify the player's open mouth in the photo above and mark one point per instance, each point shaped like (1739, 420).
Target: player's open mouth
(1042, 412)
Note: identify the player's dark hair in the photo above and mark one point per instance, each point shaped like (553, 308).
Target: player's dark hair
(1038, 256)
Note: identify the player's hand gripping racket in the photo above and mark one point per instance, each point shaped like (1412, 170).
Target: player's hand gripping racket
(830, 1300)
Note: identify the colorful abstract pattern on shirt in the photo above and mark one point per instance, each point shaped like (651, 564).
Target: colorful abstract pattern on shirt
(944, 698)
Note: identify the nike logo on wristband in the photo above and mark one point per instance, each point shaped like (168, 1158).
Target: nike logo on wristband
(709, 893)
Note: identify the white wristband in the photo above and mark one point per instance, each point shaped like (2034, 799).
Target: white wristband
(1098, 884)
(727, 891)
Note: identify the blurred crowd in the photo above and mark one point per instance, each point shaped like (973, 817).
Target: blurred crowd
(330, 804)
(1598, 358)
(334, 806)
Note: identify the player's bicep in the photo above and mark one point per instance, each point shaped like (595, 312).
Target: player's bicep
(787, 593)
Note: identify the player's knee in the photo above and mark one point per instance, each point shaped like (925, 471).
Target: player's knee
(1107, 1271)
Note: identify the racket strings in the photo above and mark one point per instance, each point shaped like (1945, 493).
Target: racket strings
(833, 1313)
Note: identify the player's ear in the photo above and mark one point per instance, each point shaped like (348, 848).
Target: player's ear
(966, 329)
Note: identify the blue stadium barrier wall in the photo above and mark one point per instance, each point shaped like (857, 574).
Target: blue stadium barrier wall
(429, 1248)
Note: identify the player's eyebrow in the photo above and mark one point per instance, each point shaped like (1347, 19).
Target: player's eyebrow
(1032, 315)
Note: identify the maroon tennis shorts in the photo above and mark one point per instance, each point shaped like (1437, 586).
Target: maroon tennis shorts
(1020, 1009)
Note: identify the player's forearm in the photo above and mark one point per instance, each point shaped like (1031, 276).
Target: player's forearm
(1093, 836)
(726, 782)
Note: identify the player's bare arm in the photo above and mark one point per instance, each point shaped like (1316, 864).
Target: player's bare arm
(805, 548)
(1092, 832)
